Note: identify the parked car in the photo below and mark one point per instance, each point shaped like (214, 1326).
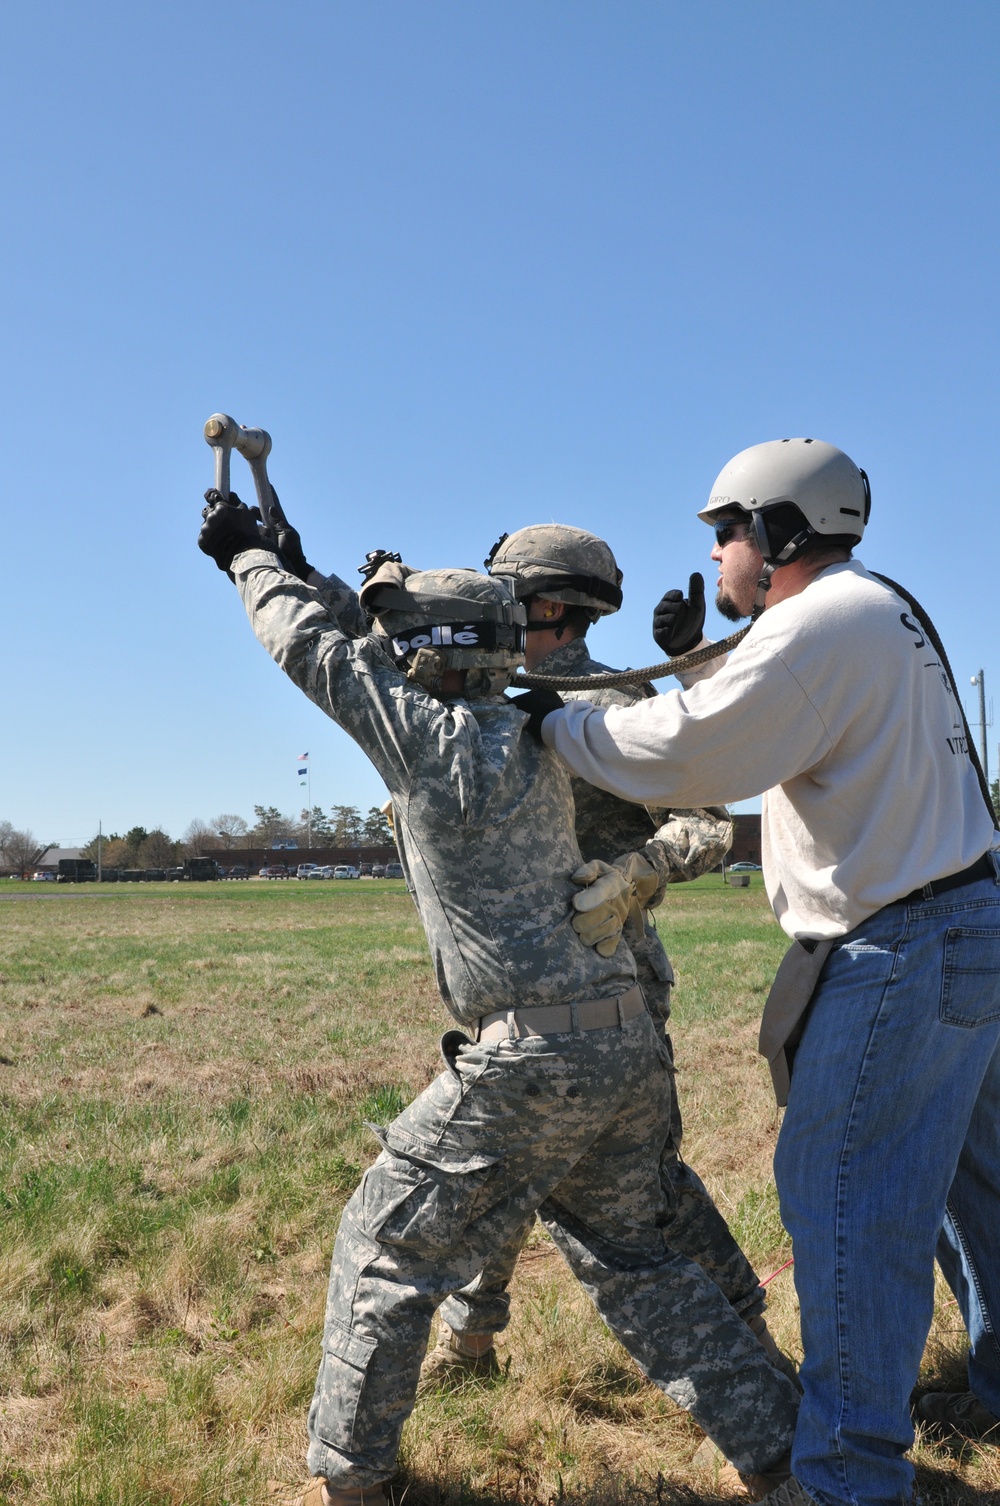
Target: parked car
(394, 870)
(275, 871)
(43, 878)
(378, 870)
(239, 871)
(745, 868)
(345, 871)
(308, 871)
(365, 870)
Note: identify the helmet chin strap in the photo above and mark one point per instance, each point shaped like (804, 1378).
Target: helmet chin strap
(763, 586)
(787, 555)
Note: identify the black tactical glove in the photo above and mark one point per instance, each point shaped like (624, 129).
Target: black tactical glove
(290, 549)
(229, 527)
(678, 620)
(289, 543)
(538, 704)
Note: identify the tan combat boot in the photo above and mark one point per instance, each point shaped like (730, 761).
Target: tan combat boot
(789, 1493)
(726, 1477)
(319, 1493)
(457, 1356)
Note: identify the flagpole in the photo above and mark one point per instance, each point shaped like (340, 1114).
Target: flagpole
(307, 771)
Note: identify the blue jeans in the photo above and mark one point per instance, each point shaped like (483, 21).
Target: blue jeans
(891, 1135)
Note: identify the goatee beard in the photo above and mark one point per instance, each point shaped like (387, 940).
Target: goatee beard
(726, 607)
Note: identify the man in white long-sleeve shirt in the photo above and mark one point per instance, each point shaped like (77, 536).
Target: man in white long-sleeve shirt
(877, 838)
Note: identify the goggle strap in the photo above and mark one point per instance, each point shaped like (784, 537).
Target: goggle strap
(487, 637)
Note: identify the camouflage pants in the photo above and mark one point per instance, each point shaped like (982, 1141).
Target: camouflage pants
(568, 1125)
(694, 1227)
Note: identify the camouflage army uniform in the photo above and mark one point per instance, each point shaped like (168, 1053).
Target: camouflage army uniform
(570, 1123)
(680, 845)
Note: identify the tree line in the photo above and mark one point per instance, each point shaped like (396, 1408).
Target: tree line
(341, 826)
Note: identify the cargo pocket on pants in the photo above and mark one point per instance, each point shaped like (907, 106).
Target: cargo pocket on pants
(414, 1202)
(970, 988)
(346, 1357)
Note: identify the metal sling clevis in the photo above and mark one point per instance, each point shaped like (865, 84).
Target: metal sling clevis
(225, 435)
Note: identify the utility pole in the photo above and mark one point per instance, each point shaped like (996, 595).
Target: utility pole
(980, 680)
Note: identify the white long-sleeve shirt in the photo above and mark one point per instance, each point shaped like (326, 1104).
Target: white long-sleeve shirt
(837, 708)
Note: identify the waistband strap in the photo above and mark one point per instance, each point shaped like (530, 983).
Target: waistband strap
(982, 868)
(558, 1019)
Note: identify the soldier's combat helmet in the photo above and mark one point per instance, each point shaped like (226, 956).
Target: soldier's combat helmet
(433, 620)
(561, 564)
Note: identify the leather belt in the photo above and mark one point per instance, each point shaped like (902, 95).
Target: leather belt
(560, 1019)
(982, 868)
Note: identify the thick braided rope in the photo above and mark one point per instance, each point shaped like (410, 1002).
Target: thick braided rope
(683, 662)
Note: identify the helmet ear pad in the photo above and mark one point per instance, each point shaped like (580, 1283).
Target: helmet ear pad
(774, 527)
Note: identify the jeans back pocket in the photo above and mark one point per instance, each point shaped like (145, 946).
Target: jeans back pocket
(970, 988)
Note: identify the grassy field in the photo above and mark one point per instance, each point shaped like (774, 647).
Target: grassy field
(185, 1072)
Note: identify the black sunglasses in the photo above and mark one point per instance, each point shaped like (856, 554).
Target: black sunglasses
(731, 529)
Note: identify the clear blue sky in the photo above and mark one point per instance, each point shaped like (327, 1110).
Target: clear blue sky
(474, 266)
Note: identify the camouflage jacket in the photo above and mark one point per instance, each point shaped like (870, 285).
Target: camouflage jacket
(679, 844)
(484, 814)
(342, 601)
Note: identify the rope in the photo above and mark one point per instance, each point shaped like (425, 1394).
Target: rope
(611, 681)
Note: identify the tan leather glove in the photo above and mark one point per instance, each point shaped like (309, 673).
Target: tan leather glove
(602, 908)
(643, 877)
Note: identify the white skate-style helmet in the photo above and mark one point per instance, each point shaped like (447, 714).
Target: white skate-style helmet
(792, 489)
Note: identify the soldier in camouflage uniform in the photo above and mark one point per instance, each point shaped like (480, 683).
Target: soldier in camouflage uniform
(555, 1088)
(567, 579)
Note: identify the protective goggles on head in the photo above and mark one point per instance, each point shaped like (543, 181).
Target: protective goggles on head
(484, 636)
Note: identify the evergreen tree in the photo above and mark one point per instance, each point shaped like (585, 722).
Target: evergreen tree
(321, 826)
(271, 825)
(347, 825)
(376, 831)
